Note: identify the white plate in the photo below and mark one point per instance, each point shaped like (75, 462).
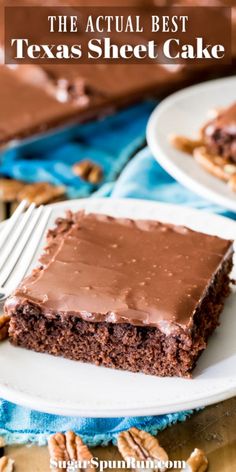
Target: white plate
(56, 385)
(184, 113)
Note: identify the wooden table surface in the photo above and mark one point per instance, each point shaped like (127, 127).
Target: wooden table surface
(212, 429)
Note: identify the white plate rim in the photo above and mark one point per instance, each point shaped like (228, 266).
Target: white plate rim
(37, 403)
(159, 154)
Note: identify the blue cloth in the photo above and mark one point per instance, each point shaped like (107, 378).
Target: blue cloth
(20, 426)
(144, 178)
(110, 142)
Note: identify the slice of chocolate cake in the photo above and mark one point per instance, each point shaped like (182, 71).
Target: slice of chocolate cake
(219, 135)
(134, 295)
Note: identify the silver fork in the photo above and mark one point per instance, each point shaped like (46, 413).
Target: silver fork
(19, 240)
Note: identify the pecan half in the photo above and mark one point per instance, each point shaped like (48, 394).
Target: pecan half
(95, 175)
(214, 113)
(73, 89)
(88, 170)
(40, 193)
(215, 165)
(197, 462)
(139, 445)
(232, 182)
(6, 464)
(2, 444)
(184, 144)
(4, 326)
(9, 189)
(230, 169)
(68, 447)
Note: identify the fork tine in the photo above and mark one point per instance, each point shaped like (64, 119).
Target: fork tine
(36, 239)
(16, 235)
(17, 250)
(29, 250)
(9, 225)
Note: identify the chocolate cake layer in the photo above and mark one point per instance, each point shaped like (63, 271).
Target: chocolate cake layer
(122, 346)
(136, 295)
(220, 134)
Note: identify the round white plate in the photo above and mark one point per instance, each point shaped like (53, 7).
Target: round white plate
(57, 385)
(184, 113)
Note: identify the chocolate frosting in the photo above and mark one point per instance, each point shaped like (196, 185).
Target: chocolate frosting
(36, 98)
(25, 105)
(119, 270)
(219, 134)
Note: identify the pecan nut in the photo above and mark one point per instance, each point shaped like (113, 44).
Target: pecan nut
(6, 464)
(232, 182)
(9, 189)
(215, 165)
(230, 169)
(68, 447)
(197, 462)
(40, 193)
(4, 327)
(95, 175)
(184, 144)
(75, 90)
(88, 170)
(214, 113)
(140, 445)
(2, 444)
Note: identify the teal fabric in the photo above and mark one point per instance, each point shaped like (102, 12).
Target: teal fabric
(110, 142)
(144, 178)
(20, 425)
